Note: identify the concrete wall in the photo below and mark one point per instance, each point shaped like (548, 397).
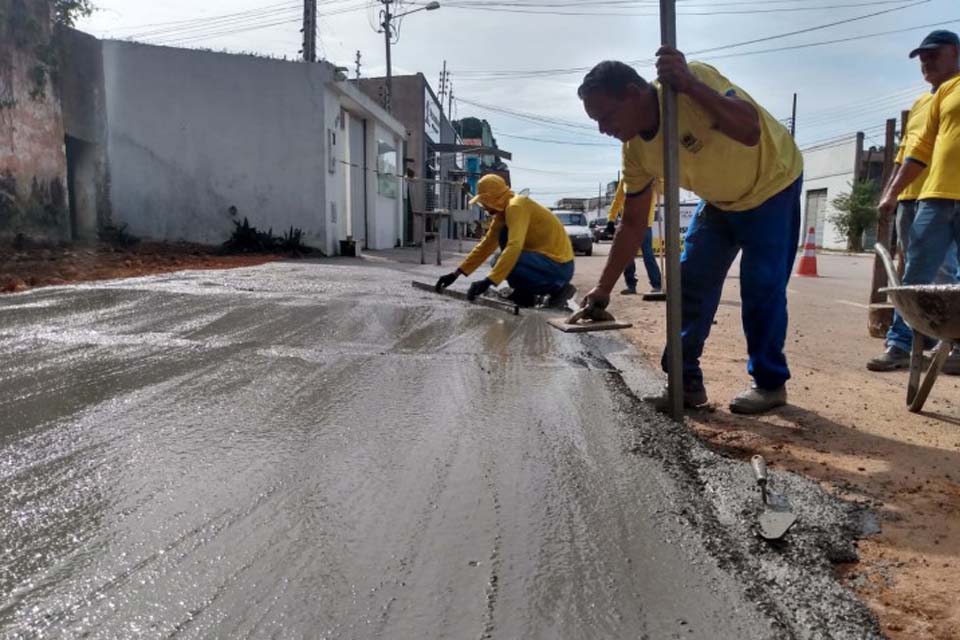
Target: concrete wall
(84, 120)
(829, 167)
(191, 133)
(33, 168)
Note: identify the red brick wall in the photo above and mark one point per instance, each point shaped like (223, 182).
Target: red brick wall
(33, 166)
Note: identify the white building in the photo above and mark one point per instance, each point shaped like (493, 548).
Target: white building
(829, 169)
(194, 140)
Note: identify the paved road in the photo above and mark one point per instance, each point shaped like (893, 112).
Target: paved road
(316, 450)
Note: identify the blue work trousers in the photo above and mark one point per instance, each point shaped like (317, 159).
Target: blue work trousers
(649, 262)
(906, 213)
(935, 233)
(535, 273)
(768, 236)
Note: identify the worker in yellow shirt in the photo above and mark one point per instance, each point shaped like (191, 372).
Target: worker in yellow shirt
(649, 259)
(536, 256)
(936, 150)
(747, 168)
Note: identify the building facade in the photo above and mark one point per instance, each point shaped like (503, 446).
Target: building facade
(178, 145)
(432, 173)
(829, 171)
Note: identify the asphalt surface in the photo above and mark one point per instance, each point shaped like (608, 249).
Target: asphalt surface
(317, 450)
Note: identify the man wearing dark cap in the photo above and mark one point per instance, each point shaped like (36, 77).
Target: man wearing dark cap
(932, 161)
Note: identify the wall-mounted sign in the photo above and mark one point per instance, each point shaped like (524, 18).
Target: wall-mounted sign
(431, 116)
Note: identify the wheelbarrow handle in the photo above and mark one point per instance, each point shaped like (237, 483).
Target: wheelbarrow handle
(887, 261)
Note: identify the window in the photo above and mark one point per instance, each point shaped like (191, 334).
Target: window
(386, 169)
(571, 219)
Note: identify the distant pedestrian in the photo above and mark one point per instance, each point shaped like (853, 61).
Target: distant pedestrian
(931, 160)
(649, 259)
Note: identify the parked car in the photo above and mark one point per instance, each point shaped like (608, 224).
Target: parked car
(580, 235)
(598, 226)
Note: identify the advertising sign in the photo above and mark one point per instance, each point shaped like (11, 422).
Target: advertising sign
(431, 117)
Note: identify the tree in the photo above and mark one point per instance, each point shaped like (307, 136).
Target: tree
(66, 12)
(856, 211)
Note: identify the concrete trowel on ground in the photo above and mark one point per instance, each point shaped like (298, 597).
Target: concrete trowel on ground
(493, 303)
(776, 518)
(590, 318)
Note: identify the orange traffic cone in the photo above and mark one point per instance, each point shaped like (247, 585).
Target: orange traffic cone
(808, 261)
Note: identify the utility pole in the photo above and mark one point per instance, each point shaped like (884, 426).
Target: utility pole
(309, 31)
(450, 103)
(671, 204)
(386, 25)
(358, 64)
(793, 118)
(443, 83)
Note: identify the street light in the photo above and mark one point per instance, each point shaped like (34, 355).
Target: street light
(386, 25)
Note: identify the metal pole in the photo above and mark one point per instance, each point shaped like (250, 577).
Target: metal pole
(793, 118)
(310, 30)
(386, 36)
(671, 197)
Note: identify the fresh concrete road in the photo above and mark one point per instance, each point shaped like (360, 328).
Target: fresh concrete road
(317, 450)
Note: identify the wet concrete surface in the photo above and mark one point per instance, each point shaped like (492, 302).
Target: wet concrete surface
(317, 450)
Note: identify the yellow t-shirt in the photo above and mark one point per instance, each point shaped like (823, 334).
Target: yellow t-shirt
(620, 198)
(532, 226)
(938, 145)
(729, 175)
(915, 123)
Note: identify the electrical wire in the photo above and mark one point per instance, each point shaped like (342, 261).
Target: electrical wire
(513, 8)
(532, 73)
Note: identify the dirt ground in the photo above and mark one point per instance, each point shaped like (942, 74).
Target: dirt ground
(849, 429)
(36, 266)
(845, 427)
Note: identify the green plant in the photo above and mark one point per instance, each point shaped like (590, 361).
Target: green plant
(246, 238)
(856, 212)
(117, 236)
(66, 12)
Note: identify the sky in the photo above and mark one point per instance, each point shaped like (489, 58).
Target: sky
(529, 56)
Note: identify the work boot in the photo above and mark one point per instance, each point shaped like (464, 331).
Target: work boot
(890, 360)
(693, 397)
(952, 365)
(559, 299)
(756, 400)
(629, 291)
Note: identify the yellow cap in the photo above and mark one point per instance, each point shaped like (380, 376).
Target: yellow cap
(492, 192)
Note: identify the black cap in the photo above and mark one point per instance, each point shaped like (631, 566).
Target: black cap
(935, 40)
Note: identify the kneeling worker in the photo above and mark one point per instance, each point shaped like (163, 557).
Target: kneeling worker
(536, 258)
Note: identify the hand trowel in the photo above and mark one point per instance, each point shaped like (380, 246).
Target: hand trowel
(776, 518)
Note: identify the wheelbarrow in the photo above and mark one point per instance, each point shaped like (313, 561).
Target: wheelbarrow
(930, 310)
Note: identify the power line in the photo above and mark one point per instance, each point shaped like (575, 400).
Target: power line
(215, 33)
(549, 141)
(191, 21)
(531, 73)
(547, 10)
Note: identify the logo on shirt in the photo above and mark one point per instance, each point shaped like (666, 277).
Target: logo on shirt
(691, 142)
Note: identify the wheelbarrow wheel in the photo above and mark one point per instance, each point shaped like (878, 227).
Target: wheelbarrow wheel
(917, 395)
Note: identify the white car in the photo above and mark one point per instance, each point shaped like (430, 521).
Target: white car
(580, 235)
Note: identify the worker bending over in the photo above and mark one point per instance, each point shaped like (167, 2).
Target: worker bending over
(746, 166)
